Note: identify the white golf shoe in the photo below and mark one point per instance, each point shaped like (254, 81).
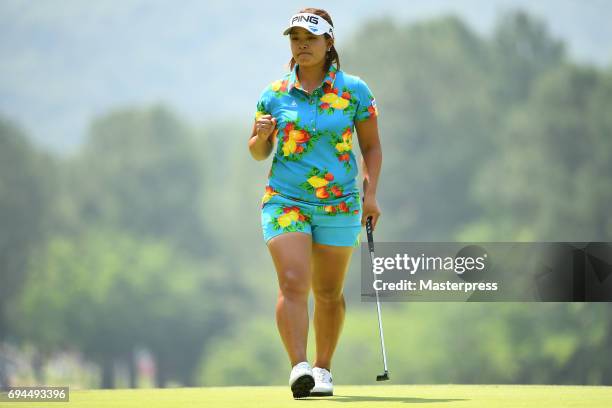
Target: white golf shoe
(301, 380)
(324, 386)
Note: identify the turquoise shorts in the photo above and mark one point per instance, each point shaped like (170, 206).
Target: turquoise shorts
(337, 222)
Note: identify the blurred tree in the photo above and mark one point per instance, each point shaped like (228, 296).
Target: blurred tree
(139, 171)
(106, 293)
(551, 178)
(432, 84)
(523, 50)
(263, 353)
(24, 201)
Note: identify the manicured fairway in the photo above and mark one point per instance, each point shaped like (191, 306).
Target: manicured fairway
(430, 396)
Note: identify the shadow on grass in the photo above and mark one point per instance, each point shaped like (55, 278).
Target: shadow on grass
(364, 398)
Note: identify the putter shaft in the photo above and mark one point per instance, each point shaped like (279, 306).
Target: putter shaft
(385, 375)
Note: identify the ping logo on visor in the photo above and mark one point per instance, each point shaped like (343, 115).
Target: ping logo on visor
(312, 22)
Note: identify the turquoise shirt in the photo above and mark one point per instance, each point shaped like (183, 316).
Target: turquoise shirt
(314, 160)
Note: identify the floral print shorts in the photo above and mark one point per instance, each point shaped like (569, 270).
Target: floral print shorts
(337, 222)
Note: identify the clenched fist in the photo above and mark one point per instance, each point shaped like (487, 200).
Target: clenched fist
(265, 125)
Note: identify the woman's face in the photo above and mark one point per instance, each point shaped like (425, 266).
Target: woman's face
(308, 49)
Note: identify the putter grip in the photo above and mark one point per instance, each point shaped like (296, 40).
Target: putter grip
(369, 232)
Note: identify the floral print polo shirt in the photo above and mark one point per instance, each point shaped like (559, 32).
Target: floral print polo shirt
(314, 160)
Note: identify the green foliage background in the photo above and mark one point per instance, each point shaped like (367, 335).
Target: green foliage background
(149, 235)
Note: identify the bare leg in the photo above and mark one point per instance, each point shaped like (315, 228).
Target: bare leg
(330, 264)
(291, 254)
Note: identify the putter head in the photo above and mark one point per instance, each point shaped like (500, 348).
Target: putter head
(383, 377)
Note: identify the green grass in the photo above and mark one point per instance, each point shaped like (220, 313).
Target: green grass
(431, 396)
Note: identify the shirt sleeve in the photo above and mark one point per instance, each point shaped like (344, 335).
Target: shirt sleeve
(263, 104)
(366, 103)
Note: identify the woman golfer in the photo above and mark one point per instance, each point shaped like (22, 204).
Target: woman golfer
(311, 212)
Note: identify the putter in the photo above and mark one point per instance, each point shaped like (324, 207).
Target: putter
(384, 376)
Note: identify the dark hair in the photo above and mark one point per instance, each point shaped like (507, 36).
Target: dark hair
(330, 57)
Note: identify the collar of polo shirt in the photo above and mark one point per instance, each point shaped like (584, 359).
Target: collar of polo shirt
(312, 22)
(330, 77)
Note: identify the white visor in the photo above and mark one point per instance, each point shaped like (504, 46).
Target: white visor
(312, 22)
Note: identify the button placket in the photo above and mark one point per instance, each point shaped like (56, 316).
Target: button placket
(315, 102)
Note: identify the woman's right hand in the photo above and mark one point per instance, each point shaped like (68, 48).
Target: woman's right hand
(265, 125)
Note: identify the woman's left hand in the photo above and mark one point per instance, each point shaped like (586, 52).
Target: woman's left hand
(370, 208)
